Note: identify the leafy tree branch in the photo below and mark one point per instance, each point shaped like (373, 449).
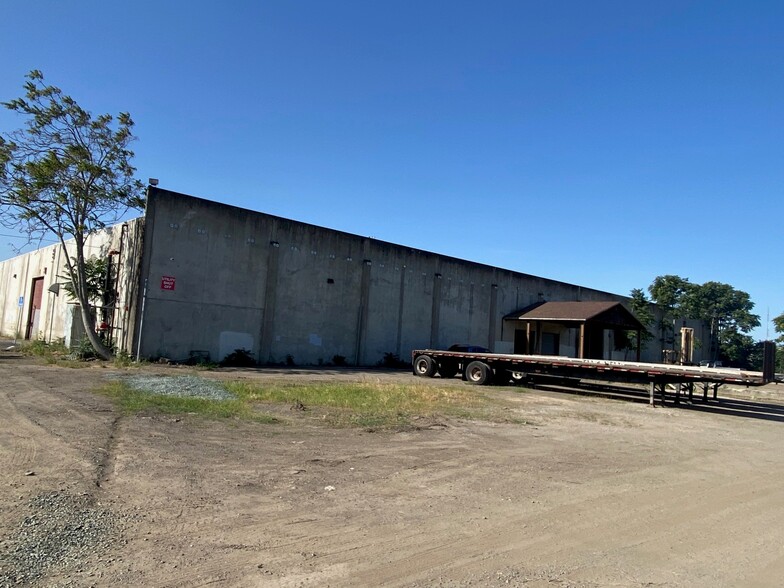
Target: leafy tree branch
(66, 173)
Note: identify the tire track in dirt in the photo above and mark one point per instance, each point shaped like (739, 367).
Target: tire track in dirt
(343, 555)
(346, 540)
(51, 428)
(23, 451)
(601, 493)
(18, 445)
(425, 547)
(250, 525)
(105, 467)
(428, 474)
(385, 538)
(35, 416)
(609, 527)
(19, 442)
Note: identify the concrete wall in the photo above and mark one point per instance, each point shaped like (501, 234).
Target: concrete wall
(221, 278)
(59, 315)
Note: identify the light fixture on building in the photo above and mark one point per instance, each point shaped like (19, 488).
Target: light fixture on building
(153, 181)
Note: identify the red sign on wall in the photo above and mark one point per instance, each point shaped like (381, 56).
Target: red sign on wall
(167, 283)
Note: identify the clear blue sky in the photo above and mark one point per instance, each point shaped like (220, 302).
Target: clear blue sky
(599, 143)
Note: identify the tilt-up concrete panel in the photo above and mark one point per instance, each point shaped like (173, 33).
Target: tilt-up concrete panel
(294, 292)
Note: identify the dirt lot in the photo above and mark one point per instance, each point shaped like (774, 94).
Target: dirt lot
(593, 491)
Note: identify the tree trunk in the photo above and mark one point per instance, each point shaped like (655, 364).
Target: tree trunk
(89, 326)
(81, 294)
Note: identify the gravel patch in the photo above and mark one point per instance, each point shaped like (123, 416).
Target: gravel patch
(60, 533)
(182, 386)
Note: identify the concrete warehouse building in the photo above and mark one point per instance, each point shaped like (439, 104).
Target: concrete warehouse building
(196, 279)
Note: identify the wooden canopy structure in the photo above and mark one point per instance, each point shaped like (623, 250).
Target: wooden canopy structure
(591, 318)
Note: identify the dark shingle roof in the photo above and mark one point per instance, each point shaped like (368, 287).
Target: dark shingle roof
(610, 312)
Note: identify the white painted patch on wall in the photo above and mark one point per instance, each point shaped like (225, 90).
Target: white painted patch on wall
(68, 327)
(314, 340)
(230, 341)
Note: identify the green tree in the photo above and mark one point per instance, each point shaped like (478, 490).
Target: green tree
(95, 270)
(641, 308)
(670, 292)
(69, 174)
(740, 350)
(728, 311)
(778, 324)
(725, 309)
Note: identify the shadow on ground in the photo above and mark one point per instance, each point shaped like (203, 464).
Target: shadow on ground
(754, 409)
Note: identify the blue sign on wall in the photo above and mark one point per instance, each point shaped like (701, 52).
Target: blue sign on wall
(21, 301)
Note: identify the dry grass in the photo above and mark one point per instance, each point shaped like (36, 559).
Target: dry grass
(370, 405)
(378, 404)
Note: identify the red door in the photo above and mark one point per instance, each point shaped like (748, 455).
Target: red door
(35, 307)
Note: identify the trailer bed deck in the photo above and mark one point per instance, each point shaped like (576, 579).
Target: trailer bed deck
(656, 375)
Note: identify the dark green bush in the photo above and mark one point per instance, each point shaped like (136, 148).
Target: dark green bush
(392, 360)
(84, 350)
(238, 358)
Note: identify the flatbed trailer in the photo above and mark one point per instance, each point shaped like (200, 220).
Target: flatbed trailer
(489, 368)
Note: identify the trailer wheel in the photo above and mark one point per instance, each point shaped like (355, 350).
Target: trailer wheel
(424, 366)
(447, 369)
(478, 372)
(518, 376)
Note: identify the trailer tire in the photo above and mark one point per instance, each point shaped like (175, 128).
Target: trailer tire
(478, 372)
(518, 376)
(425, 366)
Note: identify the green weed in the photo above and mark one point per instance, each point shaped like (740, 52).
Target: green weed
(366, 405)
(124, 360)
(53, 352)
(41, 348)
(375, 405)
